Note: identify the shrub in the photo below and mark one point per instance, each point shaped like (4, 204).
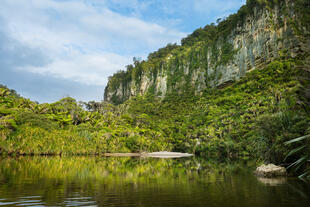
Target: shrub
(35, 120)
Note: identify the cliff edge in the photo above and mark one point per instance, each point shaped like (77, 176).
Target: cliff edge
(260, 32)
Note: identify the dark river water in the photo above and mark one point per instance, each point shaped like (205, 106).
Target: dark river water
(143, 182)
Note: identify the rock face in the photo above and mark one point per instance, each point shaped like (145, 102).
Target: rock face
(270, 170)
(255, 40)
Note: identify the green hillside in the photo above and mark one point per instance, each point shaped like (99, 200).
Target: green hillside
(252, 117)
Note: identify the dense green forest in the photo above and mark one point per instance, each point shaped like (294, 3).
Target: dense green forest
(253, 118)
(265, 115)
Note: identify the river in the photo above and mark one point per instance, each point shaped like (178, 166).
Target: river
(143, 182)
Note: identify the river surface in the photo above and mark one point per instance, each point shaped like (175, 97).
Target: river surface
(143, 182)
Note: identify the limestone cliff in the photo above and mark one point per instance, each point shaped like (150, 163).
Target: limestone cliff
(216, 55)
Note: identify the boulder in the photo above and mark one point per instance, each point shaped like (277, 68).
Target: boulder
(270, 170)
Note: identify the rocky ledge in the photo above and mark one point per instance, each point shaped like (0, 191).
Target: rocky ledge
(270, 170)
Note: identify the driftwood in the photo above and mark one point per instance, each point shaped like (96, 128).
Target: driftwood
(163, 154)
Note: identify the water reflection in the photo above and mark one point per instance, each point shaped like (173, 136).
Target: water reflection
(122, 181)
(273, 181)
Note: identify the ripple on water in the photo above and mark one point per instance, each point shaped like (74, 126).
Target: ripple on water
(22, 201)
(80, 201)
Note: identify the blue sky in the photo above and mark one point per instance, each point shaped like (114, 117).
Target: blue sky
(50, 49)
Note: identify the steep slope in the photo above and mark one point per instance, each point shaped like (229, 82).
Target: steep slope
(259, 33)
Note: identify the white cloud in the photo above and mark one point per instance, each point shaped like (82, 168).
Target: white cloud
(129, 28)
(88, 69)
(83, 43)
